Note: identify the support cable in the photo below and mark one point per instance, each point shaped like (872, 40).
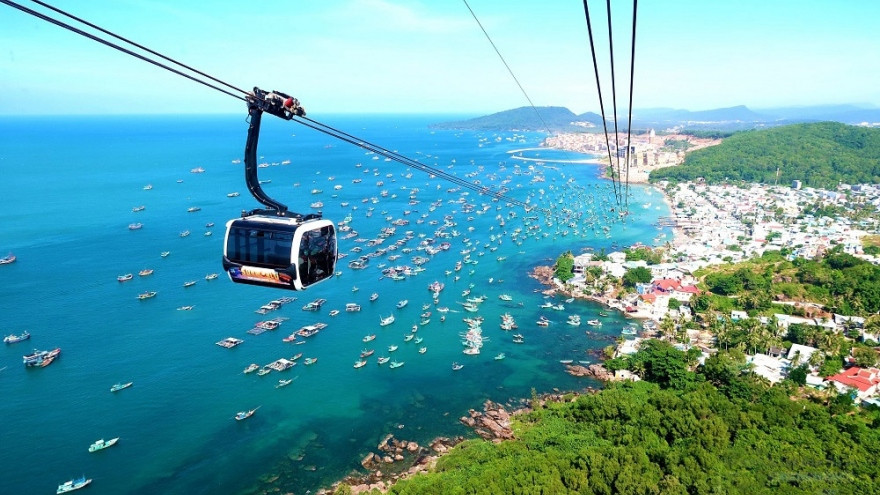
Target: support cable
(632, 68)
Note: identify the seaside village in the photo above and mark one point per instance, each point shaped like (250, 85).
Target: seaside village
(720, 224)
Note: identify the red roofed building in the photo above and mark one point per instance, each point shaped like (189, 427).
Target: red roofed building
(866, 381)
(667, 284)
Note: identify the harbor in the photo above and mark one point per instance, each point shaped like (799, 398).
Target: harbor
(448, 253)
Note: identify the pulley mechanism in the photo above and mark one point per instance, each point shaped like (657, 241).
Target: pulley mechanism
(273, 246)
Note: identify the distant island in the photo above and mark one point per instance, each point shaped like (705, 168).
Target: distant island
(560, 119)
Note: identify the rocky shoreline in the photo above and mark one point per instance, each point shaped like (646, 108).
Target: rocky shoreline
(398, 459)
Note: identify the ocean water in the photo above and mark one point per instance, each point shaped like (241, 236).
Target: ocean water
(68, 189)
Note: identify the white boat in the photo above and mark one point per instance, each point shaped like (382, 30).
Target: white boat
(386, 321)
(402, 303)
(74, 484)
(101, 444)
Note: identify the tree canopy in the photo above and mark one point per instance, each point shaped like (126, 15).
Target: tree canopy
(818, 154)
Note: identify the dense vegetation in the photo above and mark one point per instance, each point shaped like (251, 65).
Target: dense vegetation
(843, 283)
(716, 430)
(820, 155)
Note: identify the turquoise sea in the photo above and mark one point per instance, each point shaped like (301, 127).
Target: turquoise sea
(69, 186)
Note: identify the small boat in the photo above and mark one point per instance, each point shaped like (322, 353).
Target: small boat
(148, 187)
(310, 361)
(284, 383)
(189, 283)
(505, 297)
(408, 337)
(165, 254)
(74, 484)
(193, 209)
(395, 364)
(101, 444)
(386, 321)
(602, 313)
(374, 296)
(383, 360)
(456, 366)
(294, 358)
(135, 226)
(233, 194)
(369, 338)
(147, 295)
(367, 352)
(418, 340)
(264, 371)
(145, 272)
(124, 278)
(242, 415)
(402, 303)
(423, 350)
(251, 368)
(352, 307)
(594, 323)
(392, 348)
(209, 225)
(360, 364)
(120, 386)
(334, 312)
(185, 308)
(566, 361)
(12, 339)
(138, 208)
(184, 233)
(500, 356)
(211, 276)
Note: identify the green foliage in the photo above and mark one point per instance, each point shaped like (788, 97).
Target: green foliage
(819, 154)
(864, 356)
(831, 366)
(799, 375)
(637, 275)
(650, 256)
(640, 438)
(564, 266)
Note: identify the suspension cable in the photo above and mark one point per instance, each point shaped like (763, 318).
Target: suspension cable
(632, 68)
(601, 102)
(126, 40)
(305, 121)
(613, 89)
(114, 46)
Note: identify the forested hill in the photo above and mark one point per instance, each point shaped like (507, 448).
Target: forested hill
(529, 119)
(818, 154)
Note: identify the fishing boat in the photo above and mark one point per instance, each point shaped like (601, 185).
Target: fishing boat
(294, 358)
(120, 386)
(133, 226)
(74, 484)
(147, 295)
(408, 337)
(369, 338)
(595, 323)
(184, 233)
(456, 366)
(566, 361)
(242, 415)
(374, 296)
(12, 339)
(310, 361)
(602, 313)
(574, 320)
(392, 348)
(251, 368)
(505, 297)
(500, 356)
(124, 278)
(395, 364)
(101, 444)
(383, 360)
(386, 321)
(165, 254)
(367, 352)
(402, 303)
(145, 272)
(360, 364)
(264, 371)
(189, 283)
(284, 383)
(352, 307)
(211, 276)
(41, 358)
(423, 350)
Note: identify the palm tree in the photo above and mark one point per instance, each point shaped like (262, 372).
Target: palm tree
(816, 359)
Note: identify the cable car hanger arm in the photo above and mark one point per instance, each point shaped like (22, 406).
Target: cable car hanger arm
(280, 105)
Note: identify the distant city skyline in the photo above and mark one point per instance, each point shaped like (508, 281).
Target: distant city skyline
(383, 56)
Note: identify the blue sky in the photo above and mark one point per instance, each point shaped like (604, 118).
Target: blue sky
(390, 56)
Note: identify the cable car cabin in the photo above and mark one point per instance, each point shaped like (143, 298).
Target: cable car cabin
(279, 252)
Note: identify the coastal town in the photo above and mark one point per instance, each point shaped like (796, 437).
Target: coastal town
(726, 224)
